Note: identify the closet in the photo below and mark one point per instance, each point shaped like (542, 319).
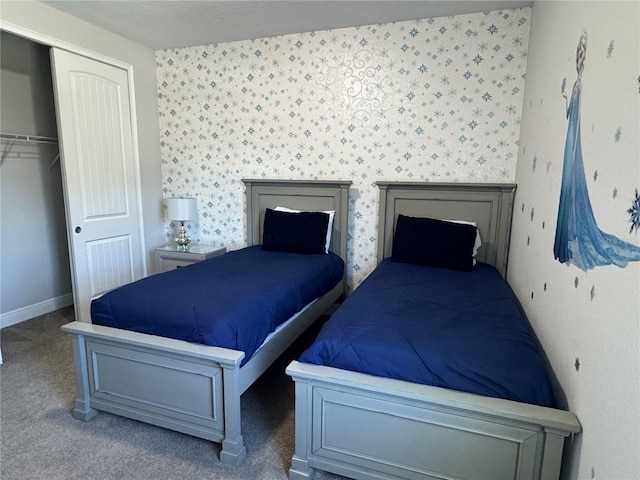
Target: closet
(35, 276)
(80, 218)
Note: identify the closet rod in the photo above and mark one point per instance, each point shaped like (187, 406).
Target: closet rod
(14, 137)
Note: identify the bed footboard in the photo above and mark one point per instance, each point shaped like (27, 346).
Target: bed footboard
(188, 388)
(366, 427)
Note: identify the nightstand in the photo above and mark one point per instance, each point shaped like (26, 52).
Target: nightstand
(172, 257)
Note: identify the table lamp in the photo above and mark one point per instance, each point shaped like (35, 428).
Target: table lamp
(182, 209)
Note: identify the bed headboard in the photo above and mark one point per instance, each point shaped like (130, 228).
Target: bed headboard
(490, 205)
(306, 195)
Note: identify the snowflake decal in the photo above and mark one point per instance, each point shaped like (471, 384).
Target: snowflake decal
(610, 48)
(618, 134)
(634, 211)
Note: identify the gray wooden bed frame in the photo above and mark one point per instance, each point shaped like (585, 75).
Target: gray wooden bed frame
(196, 389)
(368, 427)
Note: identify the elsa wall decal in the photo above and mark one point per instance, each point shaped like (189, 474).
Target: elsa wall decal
(578, 239)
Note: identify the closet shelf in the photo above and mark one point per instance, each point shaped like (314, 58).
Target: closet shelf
(12, 138)
(15, 137)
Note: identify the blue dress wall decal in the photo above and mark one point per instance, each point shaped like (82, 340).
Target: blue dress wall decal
(578, 240)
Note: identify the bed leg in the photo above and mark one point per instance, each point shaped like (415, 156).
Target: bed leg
(300, 469)
(82, 410)
(233, 450)
(233, 453)
(553, 446)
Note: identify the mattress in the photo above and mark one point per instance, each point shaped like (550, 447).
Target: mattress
(459, 330)
(232, 301)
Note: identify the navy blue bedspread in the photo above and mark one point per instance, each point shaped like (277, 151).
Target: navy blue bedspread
(458, 330)
(232, 301)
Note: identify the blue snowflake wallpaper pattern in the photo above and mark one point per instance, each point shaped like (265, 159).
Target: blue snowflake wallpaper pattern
(437, 99)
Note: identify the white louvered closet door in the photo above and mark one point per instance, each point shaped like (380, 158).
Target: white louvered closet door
(100, 177)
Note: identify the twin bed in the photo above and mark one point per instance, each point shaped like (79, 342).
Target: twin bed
(187, 385)
(430, 372)
(388, 412)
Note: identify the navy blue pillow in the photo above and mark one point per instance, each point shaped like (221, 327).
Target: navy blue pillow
(304, 232)
(435, 243)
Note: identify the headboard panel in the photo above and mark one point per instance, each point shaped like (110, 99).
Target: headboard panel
(306, 195)
(490, 205)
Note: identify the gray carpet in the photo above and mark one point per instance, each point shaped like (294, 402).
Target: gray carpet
(39, 438)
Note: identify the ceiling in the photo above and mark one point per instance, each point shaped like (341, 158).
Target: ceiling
(161, 24)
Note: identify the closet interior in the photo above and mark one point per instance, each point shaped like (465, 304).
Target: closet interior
(35, 275)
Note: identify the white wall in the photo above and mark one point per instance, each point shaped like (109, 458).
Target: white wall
(46, 21)
(587, 321)
(34, 257)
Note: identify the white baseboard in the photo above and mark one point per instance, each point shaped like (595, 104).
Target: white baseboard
(35, 310)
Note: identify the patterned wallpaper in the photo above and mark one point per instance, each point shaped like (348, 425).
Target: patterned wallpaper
(428, 100)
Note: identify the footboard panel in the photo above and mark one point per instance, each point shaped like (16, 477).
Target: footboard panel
(366, 427)
(173, 384)
(182, 394)
(411, 441)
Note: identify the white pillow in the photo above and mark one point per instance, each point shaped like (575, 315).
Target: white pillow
(331, 214)
(478, 241)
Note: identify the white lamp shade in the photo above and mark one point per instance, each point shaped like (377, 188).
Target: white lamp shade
(182, 209)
